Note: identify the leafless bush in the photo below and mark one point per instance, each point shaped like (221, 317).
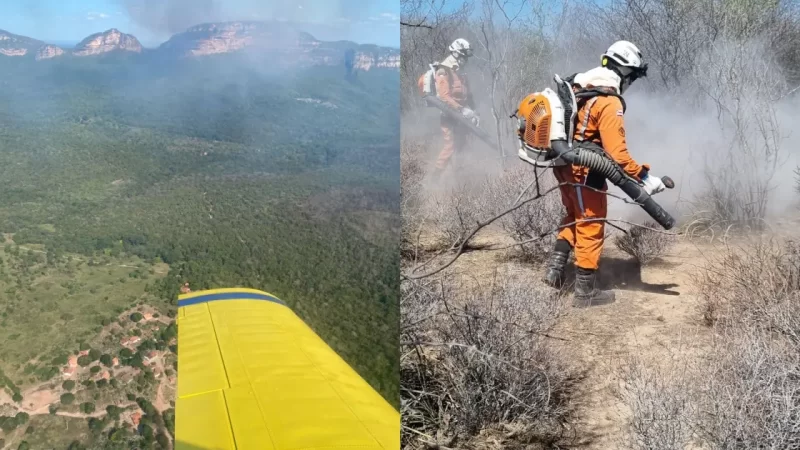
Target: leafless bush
(744, 84)
(533, 219)
(753, 396)
(429, 27)
(412, 173)
(746, 392)
(750, 391)
(758, 285)
(659, 399)
(645, 243)
(455, 213)
(475, 358)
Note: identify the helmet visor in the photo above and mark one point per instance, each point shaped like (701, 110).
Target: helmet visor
(638, 73)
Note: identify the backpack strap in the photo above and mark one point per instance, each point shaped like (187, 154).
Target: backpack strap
(588, 97)
(585, 122)
(447, 70)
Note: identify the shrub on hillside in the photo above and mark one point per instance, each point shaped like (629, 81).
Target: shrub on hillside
(87, 407)
(533, 220)
(744, 394)
(476, 360)
(412, 173)
(67, 398)
(454, 214)
(645, 243)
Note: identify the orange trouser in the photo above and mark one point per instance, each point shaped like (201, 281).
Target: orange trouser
(582, 203)
(454, 140)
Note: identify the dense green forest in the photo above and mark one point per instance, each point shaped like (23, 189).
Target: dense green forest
(231, 173)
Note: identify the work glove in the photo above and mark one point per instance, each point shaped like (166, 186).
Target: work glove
(652, 185)
(472, 116)
(468, 113)
(476, 120)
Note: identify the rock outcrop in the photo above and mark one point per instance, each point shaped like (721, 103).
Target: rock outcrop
(107, 41)
(388, 59)
(281, 42)
(278, 44)
(16, 45)
(228, 37)
(48, 51)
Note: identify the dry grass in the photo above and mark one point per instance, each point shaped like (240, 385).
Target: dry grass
(645, 244)
(476, 358)
(659, 401)
(746, 393)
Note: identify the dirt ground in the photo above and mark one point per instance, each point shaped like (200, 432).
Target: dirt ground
(655, 318)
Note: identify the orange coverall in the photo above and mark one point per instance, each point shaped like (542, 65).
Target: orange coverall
(452, 88)
(599, 120)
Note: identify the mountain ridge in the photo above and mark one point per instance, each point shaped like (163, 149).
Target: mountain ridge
(283, 43)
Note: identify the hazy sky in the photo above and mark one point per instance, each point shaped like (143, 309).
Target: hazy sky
(154, 21)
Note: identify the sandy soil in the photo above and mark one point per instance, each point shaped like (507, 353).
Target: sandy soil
(655, 318)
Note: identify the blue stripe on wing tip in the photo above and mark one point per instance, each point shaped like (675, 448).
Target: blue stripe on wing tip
(228, 296)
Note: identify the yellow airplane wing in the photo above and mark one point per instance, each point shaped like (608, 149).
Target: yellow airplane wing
(253, 375)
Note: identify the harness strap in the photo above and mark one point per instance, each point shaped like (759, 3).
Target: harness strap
(585, 122)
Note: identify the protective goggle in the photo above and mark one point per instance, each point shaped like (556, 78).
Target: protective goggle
(638, 73)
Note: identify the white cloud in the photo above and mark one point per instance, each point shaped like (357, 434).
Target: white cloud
(96, 15)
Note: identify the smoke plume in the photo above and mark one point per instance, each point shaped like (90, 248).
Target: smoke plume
(174, 16)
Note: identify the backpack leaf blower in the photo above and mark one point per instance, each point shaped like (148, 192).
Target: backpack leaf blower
(546, 127)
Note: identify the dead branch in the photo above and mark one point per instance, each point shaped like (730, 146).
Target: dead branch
(461, 244)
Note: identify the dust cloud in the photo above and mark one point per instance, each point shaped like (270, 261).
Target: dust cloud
(174, 16)
(699, 134)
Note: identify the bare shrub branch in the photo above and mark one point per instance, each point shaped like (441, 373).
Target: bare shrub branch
(476, 357)
(533, 219)
(644, 244)
(746, 392)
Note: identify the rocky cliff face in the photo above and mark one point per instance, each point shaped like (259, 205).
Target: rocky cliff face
(389, 59)
(48, 51)
(107, 41)
(278, 43)
(15, 45)
(284, 43)
(215, 38)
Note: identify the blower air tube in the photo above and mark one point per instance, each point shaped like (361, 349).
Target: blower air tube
(599, 163)
(577, 156)
(432, 100)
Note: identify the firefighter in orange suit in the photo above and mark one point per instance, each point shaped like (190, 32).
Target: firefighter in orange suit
(599, 120)
(453, 89)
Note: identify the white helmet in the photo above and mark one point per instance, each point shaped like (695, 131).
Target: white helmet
(461, 50)
(626, 60)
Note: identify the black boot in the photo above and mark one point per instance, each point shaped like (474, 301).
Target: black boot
(554, 277)
(585, 292)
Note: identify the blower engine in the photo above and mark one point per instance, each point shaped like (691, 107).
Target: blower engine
(546, 127)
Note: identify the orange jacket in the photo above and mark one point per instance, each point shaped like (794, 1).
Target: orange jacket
(452, 88)
(606, 127)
